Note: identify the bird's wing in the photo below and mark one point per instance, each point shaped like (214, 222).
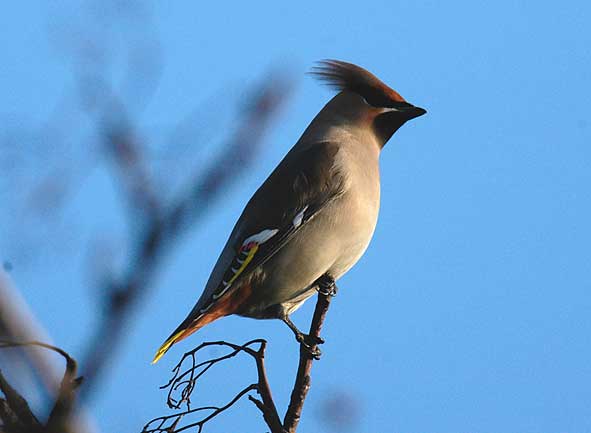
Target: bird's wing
(300, 187)
(305, 181)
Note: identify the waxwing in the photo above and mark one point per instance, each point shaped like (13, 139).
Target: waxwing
(314, 216)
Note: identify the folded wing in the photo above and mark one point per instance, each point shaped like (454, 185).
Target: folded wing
(297, 190)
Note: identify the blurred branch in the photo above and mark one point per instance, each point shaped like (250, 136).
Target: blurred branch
(184, 381)
(164, 229)
(161, 223)
(239, 152)
(15, 413)
(17, 323)
(16, 409)
(157, 222)
(130, 165)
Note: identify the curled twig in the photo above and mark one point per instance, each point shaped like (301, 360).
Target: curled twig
(176, 418)
(184, 380)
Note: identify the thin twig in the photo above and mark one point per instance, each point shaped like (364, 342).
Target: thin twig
(184, 381)
(177, 417)
(195, 373)
(267, 405)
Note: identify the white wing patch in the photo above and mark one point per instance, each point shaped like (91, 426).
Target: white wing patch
(297, 220)
(260, 238)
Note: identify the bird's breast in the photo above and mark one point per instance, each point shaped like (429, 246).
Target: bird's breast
(330, 242)
(358, 208)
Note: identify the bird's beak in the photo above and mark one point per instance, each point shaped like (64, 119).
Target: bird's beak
(412, 112)
(392, 118)
(408, 111)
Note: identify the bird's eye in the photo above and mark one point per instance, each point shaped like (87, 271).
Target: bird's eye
(375, 101)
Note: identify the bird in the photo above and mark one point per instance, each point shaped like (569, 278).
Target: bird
(314, 216)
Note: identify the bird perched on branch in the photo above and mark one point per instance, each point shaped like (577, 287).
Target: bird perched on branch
(314, 216)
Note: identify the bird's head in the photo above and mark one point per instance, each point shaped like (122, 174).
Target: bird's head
(366, 100)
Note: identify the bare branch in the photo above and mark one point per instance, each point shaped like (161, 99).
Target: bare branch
(185, 380)
(176, 418)
(17, 323)
(58, 420)
(302, 382)
(67, 357)
(267, 406)
(14, 410)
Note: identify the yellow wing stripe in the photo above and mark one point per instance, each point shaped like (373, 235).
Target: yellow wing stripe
(247, 260)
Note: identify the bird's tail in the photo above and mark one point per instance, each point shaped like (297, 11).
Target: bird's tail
(175, 337)
(182, 332)
(224, 306)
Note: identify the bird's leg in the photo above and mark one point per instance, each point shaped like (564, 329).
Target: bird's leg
(308, 342)
(325, 285)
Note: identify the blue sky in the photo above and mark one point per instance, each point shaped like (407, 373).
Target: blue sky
(470, 311)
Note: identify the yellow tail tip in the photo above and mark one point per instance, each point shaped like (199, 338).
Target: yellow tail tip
(158, 355)
(167, 344)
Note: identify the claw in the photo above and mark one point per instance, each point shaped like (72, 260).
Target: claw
(310, 344)
(309, 340)
(313, 350)
(326, 285)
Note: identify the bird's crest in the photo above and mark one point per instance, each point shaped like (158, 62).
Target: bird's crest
(347, 76)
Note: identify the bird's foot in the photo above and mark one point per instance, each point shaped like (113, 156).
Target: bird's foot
(326, 285)
(310, 343)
